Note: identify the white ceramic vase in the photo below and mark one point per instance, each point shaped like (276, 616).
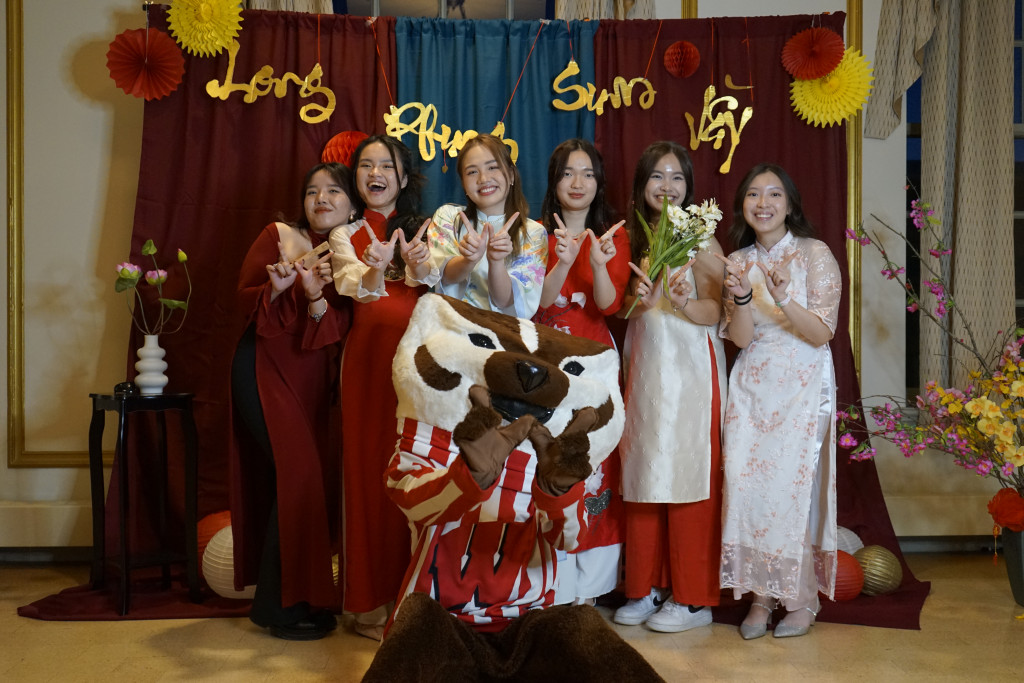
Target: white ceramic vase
(150, 366)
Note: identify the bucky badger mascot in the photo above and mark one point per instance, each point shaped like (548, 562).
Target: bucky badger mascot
(500, 422)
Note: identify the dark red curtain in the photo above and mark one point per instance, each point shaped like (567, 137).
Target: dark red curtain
(213, 173)
(740, 57)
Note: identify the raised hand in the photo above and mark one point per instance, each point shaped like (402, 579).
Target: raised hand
(563, 460)
(737, 277)
(777, 278)
(313, 279)
(648, 293)
(483, 443)
(415, 252)
(602, 249)
(567, 247)
(378, 254)
(499, 245)
(679, 288)
(282, 274)
(473, 244)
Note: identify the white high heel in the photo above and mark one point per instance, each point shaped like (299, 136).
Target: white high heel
(752, 631)
(784, 630)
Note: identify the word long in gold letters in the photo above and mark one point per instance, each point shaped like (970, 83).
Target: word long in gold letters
(622, 93)
(264, 82)
(713, 127)
(423, 127)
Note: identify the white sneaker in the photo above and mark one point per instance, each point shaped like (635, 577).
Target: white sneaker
(637, 611)
(673, 618)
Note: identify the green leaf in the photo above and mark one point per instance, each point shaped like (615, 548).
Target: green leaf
(174, 303)
(148, 249)
(124, 283)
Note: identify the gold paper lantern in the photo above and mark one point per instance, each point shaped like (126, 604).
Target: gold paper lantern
(882, 571)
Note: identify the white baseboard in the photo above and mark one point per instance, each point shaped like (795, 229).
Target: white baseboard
(45, 525)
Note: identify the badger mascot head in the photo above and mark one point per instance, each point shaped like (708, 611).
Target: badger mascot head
(470, 371)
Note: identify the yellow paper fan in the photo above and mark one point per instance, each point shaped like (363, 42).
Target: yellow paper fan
(836, 97)
(204, 27)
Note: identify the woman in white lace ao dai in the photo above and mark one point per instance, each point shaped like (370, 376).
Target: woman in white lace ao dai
(781, 301)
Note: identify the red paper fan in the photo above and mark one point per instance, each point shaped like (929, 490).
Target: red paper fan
(682, 58)
(813, 53)
(339, 148)
(145, 68)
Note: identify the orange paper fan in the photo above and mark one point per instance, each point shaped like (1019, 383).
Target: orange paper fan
(149, 68)
(682, 58)
(339, 148)
(813, 53)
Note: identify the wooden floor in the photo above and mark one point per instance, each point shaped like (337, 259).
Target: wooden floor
(971, 631)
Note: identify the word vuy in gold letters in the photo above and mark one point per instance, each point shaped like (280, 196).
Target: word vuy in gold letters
(713, 126)
(263, 82)
(423, 127)
(622, 93)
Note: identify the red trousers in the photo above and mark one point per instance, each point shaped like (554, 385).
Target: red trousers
(679, 545)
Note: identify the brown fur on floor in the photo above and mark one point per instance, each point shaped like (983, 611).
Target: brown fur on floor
(562, 643)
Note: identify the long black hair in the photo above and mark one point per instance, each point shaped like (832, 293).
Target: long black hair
(515, 200)
(600, 213)
(741, 234)
(407, 216)
(340, 174)
(644, 167)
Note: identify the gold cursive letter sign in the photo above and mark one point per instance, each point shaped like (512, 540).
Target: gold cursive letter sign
(722, 120)
(263, 82)
(423, 127)
(622, 93)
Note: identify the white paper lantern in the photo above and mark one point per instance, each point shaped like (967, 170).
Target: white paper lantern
(219, 567)
(847, 541)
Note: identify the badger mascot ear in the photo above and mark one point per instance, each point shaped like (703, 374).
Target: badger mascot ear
(527, 369)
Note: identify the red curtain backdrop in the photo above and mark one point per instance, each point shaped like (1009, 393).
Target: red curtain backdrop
(214, 172)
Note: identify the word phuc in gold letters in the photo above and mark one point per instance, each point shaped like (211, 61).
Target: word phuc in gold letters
(424, 124)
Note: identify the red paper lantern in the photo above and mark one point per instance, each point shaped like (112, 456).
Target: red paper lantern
(682, 58)
(339, 148)
(206, 529)
(813, 53)
(145, 63)
(849, 576)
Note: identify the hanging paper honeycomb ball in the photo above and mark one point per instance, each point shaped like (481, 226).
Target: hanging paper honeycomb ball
(339, 148)
(682, 58)
(849, 577)
(847, 541)
(882, 571)
(219, 567)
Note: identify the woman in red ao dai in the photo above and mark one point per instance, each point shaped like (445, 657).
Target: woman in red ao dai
(588, 269)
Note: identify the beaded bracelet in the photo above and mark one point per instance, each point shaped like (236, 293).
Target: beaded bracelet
(743, 300)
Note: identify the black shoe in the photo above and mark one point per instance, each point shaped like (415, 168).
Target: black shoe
(324, 618)
(304, 629)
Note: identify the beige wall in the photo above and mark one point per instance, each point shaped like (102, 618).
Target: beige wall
(81, 149)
